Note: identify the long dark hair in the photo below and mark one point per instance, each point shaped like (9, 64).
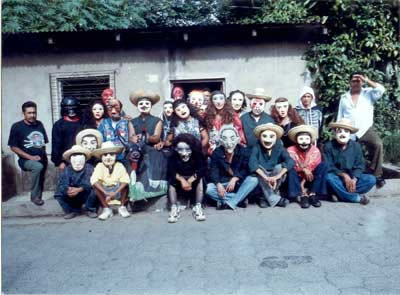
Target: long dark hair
(226, 113)
(88, 119)
(292, 114)
(191, 141)
(244, 105)
(175, 118)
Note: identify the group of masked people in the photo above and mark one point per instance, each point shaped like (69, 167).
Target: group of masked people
(227, 149)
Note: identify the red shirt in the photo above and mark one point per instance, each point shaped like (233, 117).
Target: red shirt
(310, 159)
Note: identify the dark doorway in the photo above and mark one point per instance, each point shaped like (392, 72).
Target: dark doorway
(199, 84)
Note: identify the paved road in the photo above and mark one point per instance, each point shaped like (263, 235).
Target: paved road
(336, 249)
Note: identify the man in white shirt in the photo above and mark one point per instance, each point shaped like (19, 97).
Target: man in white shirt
(358, 105)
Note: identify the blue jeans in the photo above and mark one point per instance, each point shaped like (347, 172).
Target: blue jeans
(272, 196)
(363, 185)
(317, 186)
(232, 198)
(74, 204)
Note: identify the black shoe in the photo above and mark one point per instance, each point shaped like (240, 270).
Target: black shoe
(221, 206)
(314, 201)
(244, 203)
(380, 182)
(70, 215)
(283, 202)
(91, 214)
(263, 203)
(304, 203)
(37, 201)
(364, 200)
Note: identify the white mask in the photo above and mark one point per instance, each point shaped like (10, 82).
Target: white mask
(342, 135)
(109, 159)
(196, 99)
(218, 100)
(98, 111)
(268, 139)
(282, 108)
(182, 111)
(168, 110)
(303, 141)
(89, 142)
(78, 162)
(184, 151)
(229, 140)
(144, 105)
(237, 100)
(257, 106)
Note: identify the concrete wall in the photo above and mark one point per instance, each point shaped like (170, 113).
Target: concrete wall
(277, 67)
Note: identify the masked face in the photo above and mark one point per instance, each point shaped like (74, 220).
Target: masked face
(342, 136)
(196, 99)
(168, 110)
(98, 111)
(219, 101)
(177, 93)
(257, 106)
(109, 159)
(237, 100)
(268, 139)
(306, 100)
(182, 111)
(229, 140)
(184, 151)
(303, 141)
(70, 107)
(114, 110)
(203, 110)
(144, 106)
(282, 108)
(89, 142)
(78, 162)
(107, 95)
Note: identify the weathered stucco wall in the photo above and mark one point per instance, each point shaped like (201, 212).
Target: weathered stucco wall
(277, 67)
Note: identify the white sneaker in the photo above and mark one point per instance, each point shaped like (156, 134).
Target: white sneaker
(174, 214)
(123, 211)
(107, 213)
(198, 213)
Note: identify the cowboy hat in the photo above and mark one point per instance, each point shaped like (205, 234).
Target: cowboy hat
(107, 147)
(76, 149)
(135, 96)
(302, 128)
(259, 93)
(87, 132)
(268, 126)
(343, 123)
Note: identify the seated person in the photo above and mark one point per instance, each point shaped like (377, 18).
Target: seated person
(231, 182)
(186, 168)
(74, 188)
(270, 161)
(89, 139)
(346, 164)
(110, 180)
(307, 181)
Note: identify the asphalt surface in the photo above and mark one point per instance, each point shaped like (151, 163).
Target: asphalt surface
(340, 248)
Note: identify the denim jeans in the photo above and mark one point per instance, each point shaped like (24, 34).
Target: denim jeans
(74, 204)
(38, 171)
(232, 198)
(317, 186)
(363, 185)
(272, 195)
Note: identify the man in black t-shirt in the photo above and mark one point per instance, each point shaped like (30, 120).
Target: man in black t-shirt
(28, 140)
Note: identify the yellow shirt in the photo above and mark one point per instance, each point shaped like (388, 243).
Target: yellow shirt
(101, 174)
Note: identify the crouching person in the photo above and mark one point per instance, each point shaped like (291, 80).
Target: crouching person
(270, 161)
(110, 180)
(186, 169)
(346, 164)
(307, 181)
(74, 188)
(231, 182)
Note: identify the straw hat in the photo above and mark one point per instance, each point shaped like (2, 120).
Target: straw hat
(259, 93)
(86, 132)
(269, 126)
(343, 123)
(76, 149)
(135, 96)
(107, 147)
(302, 128)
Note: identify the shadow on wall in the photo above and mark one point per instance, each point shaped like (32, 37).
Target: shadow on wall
(15, 181)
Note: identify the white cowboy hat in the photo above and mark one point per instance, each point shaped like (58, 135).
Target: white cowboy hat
(302, 128)
(268, 126)
(135, 96)
(107, 147)
(343, 123)
(76, 149)
(259, 93)
(86, 132)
